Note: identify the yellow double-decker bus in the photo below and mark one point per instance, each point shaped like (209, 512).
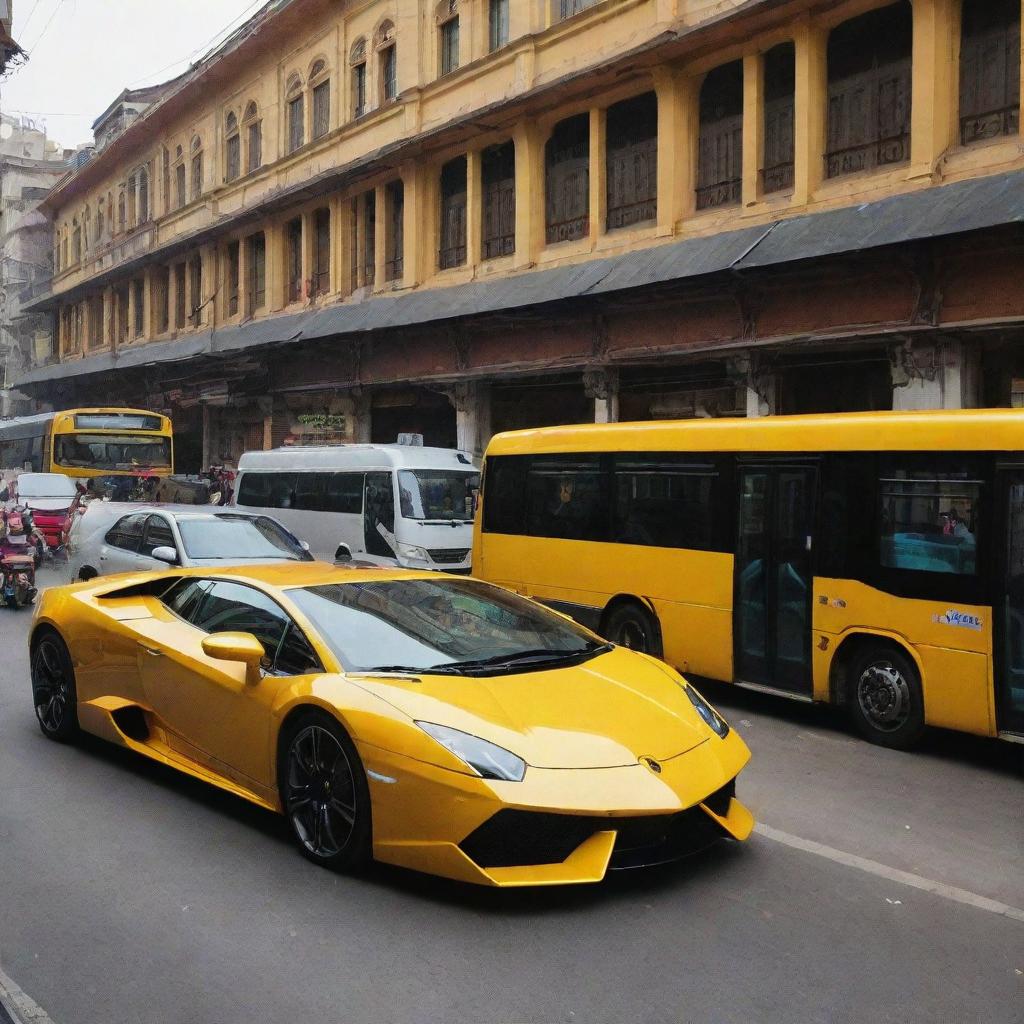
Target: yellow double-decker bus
(872, 560)
(88, 443)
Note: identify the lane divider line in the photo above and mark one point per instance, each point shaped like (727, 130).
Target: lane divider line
(873, 867)
(17, 1006)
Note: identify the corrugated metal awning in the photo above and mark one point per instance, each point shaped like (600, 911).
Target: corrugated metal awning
(930, 213)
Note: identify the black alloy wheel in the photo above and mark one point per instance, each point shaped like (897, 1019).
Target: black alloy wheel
(324, 793)
(631, 625)
(885, 697)
(53, 689)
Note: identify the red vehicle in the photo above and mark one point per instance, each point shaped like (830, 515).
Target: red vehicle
(53, 499)
(17, 557)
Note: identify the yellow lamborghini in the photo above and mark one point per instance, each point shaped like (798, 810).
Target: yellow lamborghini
(434, 722)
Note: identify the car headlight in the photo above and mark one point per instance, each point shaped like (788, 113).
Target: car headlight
(713, 719)
(488, 760)
(412, 553)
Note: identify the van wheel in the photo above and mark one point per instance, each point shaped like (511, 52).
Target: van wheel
(633, 626)
(885, 697)
(86, 573)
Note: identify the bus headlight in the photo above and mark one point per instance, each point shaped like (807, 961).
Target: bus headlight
(487, 759)
(711, 717)
(412, 553)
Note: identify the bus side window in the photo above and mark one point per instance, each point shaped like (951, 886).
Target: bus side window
(344, 493)
(505, 494)
(846, 538)
(567, 497)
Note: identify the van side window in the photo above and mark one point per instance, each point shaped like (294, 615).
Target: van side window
(345, 493)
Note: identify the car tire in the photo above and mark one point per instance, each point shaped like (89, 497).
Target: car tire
(323, 792)
(631, 625)
(54, 694)
(884, 696)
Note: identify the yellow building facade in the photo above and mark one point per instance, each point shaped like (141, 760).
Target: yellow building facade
(347, 200)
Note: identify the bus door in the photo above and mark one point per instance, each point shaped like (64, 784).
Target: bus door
(772, 596)
(1008, 605)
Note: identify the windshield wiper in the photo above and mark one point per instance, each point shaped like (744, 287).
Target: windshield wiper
(435, 670)
(542, 655)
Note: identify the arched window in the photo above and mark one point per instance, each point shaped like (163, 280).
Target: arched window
(100, 226)
(254, 138)
(388, 57)
(296, 114)
(121, 210)
(447, 17)
(76, 241)
(143, 195)
(130, 198)
(196, 150)
(232, 147)
(357, 62)
(321, 98)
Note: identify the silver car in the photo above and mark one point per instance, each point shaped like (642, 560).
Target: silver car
(111, 537)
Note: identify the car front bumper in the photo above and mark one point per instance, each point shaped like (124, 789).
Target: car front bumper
(557, 826)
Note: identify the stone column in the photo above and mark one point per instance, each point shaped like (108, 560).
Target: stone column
(673, 179)
(753, 126)
(474, 208)
(940, 375)
(131, 311)
(603, 387)
(810, 100)
(598, 173)
(362, 406)
(414, 225)
(935, 108)
(379, 236)
(760, 386)
(529, 193)
(472, 403)
(109, 331)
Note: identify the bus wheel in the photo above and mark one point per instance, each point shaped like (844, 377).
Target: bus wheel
(885, 697)
(631, 625)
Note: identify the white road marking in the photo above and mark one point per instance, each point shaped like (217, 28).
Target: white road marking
(873, 867)
(19, 1006)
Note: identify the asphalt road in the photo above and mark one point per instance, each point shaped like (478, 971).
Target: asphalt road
(880, 887)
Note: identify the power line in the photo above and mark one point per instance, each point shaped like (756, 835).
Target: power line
(39, 39)
(24, 28)
(203, 47)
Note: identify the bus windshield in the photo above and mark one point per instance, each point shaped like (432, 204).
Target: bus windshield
(112, 451)
(437, 494)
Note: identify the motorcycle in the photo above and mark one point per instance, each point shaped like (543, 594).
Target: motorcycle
(18, 537)
(222, 484)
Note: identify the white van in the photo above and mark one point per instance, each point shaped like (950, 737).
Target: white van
(388, 503)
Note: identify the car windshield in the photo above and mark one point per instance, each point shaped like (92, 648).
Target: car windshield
(444, 494)
(239, 537)
(45, 485)
(448, 626)
(113, 451)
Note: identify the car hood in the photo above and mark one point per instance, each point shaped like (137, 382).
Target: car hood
(47, 504)
(606, 713)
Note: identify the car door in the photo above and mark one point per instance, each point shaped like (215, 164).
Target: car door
(212, 714)
(119, 550)
(157, 534)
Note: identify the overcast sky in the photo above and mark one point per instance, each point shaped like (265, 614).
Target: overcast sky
(82, 53)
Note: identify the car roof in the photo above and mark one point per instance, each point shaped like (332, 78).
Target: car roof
(115, 509)
(355, 457)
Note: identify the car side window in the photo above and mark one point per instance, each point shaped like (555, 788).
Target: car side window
(233, 607)
(185, 597)
(126, 533)
(158, 535)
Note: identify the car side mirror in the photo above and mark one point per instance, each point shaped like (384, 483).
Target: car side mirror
(165, 553)
(342, 555)
(240, 647)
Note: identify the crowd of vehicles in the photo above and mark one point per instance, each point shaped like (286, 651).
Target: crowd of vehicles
(875, 561)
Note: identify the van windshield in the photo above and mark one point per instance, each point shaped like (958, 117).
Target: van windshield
(438, 494)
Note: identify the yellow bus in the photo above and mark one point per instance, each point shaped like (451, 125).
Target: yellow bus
(88, 443)
(872, 560)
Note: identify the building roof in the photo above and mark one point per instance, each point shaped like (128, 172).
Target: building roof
(929, 213)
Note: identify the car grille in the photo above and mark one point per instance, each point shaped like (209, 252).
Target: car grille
(513, 838)
(448, 556)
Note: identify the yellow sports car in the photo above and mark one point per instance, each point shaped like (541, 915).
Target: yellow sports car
(430, 721)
